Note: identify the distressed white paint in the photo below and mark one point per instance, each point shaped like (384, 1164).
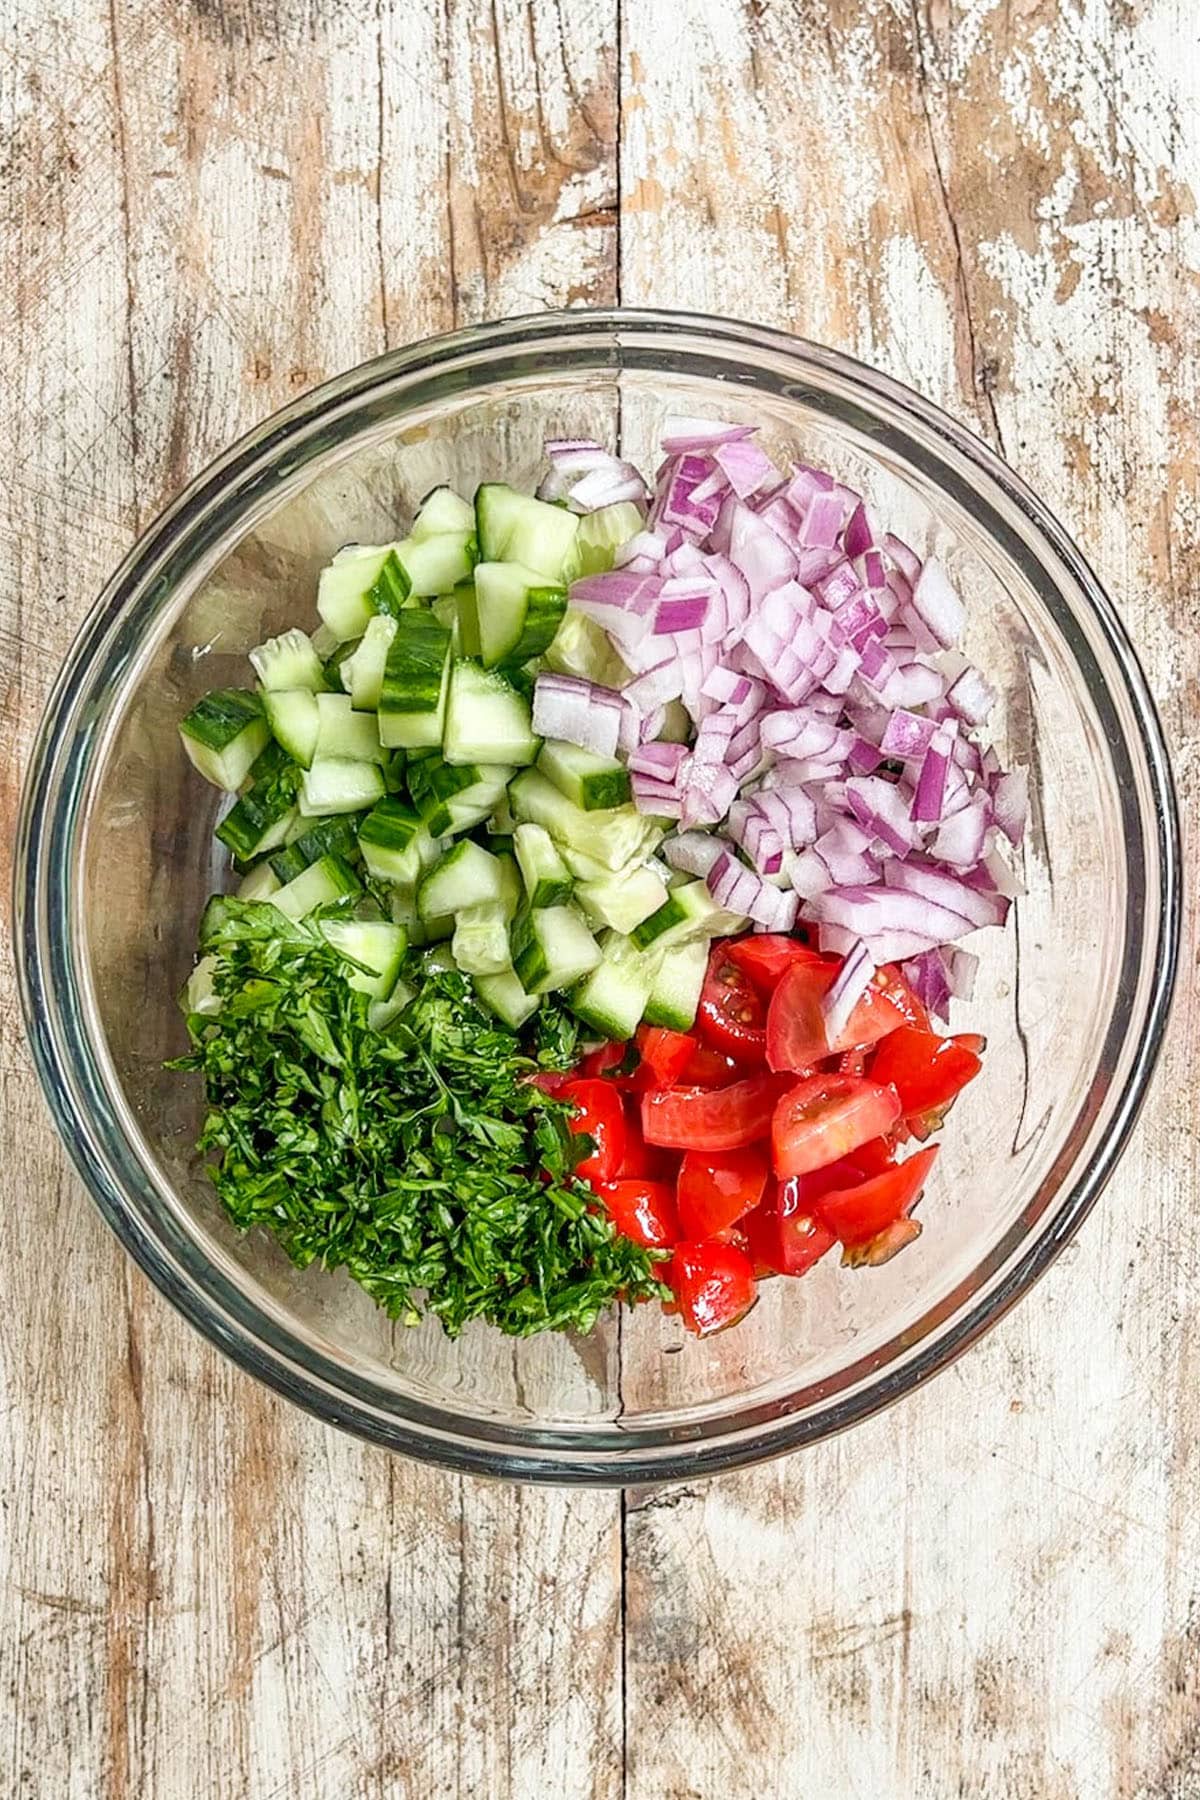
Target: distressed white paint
(991, 1590)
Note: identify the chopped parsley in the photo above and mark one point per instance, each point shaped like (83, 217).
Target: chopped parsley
(421, 1160)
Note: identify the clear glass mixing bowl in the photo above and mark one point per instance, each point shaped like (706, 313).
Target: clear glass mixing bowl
(116, 858)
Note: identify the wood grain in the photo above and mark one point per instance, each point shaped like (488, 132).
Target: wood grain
(991, 1591)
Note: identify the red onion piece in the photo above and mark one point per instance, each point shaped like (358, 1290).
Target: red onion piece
(846, 990)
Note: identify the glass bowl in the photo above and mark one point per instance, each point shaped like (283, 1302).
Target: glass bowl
(116, 857)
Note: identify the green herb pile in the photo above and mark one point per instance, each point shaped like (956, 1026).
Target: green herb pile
(420, 1160)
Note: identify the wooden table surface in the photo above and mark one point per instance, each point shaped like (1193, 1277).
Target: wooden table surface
(992, 1590)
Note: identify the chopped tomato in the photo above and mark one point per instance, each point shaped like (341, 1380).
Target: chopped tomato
(972, 1041)
(827, 1117)
(796, 1033)
(708, 1068)
(601, 1061)
(665, 1054)
(880, 1249)
(641, 1210)
(713, 1284)
(926, 1071)
(766, 957)
(892, 983)
(731, 1015)
(599, 1113)
(642, 1160)
(783, 1234)
(857, 1214)
(851, 1062)
(697, 1118)
(873, 1158)
(717, 1188)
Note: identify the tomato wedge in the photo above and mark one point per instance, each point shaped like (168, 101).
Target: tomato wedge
(641, 1210)
(665, 1054)
(601, 1061)
(708, 1068)
(717, 1188)
(731, 1015)
(713, 1284)
(926, 1071)
(697, 1118)
(766, 957)
(784, 1234)
(796, 1034)
(855, 1215)
(827, 1117)
(892, 983)
(599, 1113)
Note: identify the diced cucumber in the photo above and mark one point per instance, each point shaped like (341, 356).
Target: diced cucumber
(382, 1014)
(515, 527)
(675, 990)
(340, 667)
(677, 725)
(468, 618)
(583, 648)
(319, 885)
(264, 815)
(585, 868)
(374, 943)
(362, 579)
(516, 612)
(613, 997)
(611, 839)
(689, 912)
(434, 565)
(480, 943)
(504, 995)
(603, 532)
(595, 783)
(546, 876)
(442, 511)
(390, 840)
(343, 732)
(466, 875)
(552, 948)
(339, 784)
(487, 720)
(197, 995)
(501, 823)
(369, 661)
(260, 883)
(324, 837)
(412, 699)
(293, 718)
(288, 661)
(224, 734)
(454, 799)
(622, 901)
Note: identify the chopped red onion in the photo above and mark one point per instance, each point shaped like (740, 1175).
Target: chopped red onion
(937, 605)
(694, 852)
(1010, 803)
(846, 990)
(662, 761)
(802, 644)
(680, 434)
(971, 697)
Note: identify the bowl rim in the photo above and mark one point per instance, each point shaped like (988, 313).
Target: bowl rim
(252, 1339)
